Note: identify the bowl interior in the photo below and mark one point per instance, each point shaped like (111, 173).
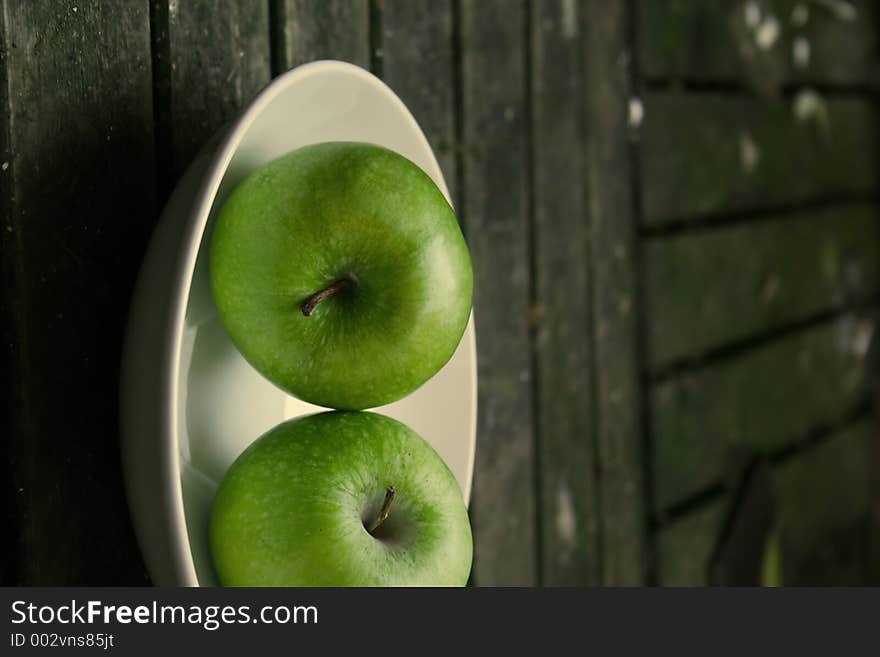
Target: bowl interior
(223, 403)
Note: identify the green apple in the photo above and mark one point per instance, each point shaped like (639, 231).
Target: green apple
(340, 499)
(339, 271)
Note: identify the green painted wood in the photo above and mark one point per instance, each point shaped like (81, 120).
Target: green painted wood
(873, 578)
(873, 550)
(418, 63)
(713, 42)
(615, 305)
(874, 506)
(495, 205)
(9, 498)
(823, 499)
(709, 288)
(308, 30)
(706, 422)
(685, 547)
(210, 58)
(717, 153)
(78, 181)
(568, 500)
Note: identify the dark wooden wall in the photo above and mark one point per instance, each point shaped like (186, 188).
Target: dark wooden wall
(758, 177)
(675, 243)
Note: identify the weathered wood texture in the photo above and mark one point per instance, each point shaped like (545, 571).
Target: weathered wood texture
(567, 495)
(749, 218)
(873, 545)
(209, 58)
(820, 499)
(823, 501)
(10, 550)
(422, 31)
(78, 181)
(763, 43)
(495, 209)
(709, 288)
(719, 153)
(306, 30)
(874, 492)
(615, 303)
(686, 545)
(708, 421)
(736, 134)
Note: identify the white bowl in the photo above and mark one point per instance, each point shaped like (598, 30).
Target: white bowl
(189, 402)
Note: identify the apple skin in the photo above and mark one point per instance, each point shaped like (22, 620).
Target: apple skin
(292, 510)
(342, 211)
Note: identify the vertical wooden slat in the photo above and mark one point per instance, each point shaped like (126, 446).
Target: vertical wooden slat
(873, 532)
(615, 304)
(322, 29)
(212, 58)
(418, 63)
(79, 188)
(561, 311)
(10, 549)
(495, 206)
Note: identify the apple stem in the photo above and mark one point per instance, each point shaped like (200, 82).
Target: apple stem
(383, 512)
(310, 303)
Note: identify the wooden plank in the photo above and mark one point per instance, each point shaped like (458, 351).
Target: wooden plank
(308, 30)
(821, 496)
(495, 204)
(10, 512)
(418, 63)
(685, 547)
(614, 304)
(568, 522)
(712, 42)
(719, 153)
(80, 186)
(874, 510)
(706, 422)
(873, 550)
(823, 504)
(706, 289)
(210, 58)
